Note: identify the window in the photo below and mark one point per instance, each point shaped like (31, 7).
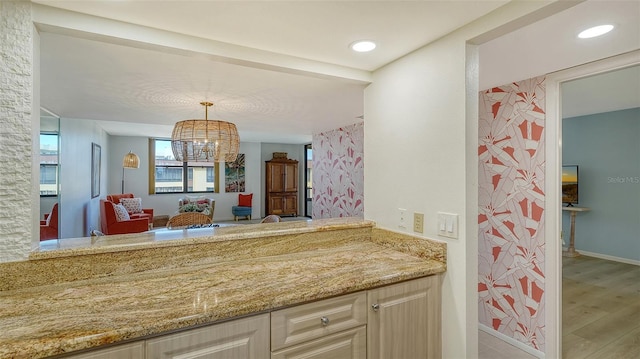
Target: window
(48, 164)
(172, 176)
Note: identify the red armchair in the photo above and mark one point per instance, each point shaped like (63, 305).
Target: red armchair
(49, 226)
(111, 225)
(146, 212)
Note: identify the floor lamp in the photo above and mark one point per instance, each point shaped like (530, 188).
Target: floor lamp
(130, 160)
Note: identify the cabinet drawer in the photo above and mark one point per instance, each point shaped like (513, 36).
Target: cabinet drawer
(125, 351)
(246, 338)
(310, 321)
(348, 344)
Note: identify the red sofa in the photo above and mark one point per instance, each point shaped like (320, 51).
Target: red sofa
(146, 212)
(49, 226)
(110, 224)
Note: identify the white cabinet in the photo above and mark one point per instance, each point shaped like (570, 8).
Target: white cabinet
(313, 320)
(330, 328)
(404, 320)
(246, 338)
(347, 344)
(124, 351)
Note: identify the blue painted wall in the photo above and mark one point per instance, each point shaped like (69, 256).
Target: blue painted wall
(606, 146)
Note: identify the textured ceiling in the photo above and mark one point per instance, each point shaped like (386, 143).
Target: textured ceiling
(280, 70)
(87, 77)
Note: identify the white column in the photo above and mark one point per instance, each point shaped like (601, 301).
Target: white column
(17, 223)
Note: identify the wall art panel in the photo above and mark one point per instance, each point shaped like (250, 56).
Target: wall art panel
(338, 172)
(511, 206)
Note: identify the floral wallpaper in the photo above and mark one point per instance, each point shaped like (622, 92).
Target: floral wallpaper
(338, 172)
(511, 205)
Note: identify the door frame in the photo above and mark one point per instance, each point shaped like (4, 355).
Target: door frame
(553, 191)
(307, 199)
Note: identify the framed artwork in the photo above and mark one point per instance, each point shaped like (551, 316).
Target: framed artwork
(234, 175)
(96, 154)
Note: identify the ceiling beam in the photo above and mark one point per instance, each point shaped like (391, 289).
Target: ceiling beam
(64, 22)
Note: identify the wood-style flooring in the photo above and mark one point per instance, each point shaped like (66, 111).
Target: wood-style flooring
(600, 313)
(600, 309)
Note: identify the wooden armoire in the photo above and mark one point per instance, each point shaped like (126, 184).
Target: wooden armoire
(281, 187)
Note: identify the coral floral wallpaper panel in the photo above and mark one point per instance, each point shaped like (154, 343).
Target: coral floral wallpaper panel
(511, 205)
(338, 172)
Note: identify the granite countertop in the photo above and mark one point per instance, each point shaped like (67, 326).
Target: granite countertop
(53, 319)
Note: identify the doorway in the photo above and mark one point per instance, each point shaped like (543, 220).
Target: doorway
(600, 131)
(553, 213)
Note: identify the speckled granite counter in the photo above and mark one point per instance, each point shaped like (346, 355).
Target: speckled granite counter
(212, 278)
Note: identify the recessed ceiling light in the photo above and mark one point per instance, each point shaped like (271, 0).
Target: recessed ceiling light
(595, 31)
(363, 46)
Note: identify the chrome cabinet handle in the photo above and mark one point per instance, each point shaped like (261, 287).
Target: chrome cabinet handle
(375, 307)
(324, 321)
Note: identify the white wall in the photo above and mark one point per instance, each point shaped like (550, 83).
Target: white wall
(421, 155)
(35, 137)
(79, 213)
(539, 48)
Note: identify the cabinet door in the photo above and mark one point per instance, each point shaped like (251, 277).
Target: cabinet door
(349, 344)
(239, 339)
(290, 204)
(276, 204)
(291, 177)
(276, 177)
(124, 351)
(404, 320)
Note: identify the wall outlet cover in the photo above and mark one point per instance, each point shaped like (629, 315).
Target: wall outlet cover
(418, 222)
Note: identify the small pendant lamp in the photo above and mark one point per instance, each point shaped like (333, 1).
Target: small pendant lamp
(130, 160)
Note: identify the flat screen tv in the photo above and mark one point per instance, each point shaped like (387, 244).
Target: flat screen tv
(570, 185)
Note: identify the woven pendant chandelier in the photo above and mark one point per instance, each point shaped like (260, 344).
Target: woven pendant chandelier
(205, 140)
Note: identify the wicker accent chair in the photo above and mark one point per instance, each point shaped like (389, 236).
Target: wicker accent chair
(272, 218)
(201, 205)
(188, 219)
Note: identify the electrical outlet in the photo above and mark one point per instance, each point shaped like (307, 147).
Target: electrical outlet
(418, 222)
(402, 213)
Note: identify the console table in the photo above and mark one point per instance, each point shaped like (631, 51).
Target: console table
(571, 251)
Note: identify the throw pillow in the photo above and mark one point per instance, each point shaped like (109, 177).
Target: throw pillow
(189, 207)
(121, 212)
(133, 205)
(195, 199)
(244, 200)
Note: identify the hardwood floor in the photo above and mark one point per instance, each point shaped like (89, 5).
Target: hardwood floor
(600, 309)
(600, 313)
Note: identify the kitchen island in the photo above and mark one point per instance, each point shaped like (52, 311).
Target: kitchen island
(88, 294)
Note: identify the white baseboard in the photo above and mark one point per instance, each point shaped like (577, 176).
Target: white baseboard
(609, 258)
(516, 343)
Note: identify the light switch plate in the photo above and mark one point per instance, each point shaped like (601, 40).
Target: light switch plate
(448, 225)
(402, 220)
